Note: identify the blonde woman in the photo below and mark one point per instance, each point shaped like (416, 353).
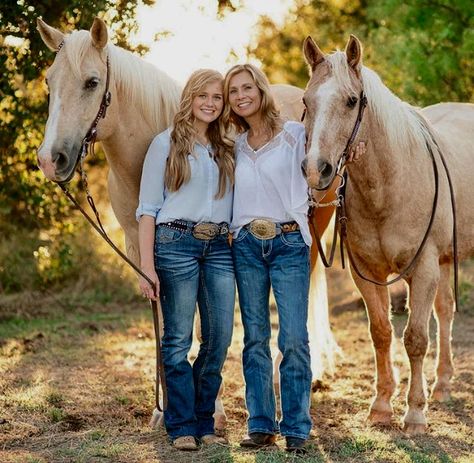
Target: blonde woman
(270, 250)
(184, 213)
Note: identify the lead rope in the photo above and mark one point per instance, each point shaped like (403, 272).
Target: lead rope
(341, 226)
(88, 143)
(341, 217)
(98, 227)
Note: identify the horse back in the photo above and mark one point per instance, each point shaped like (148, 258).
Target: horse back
(454, 122)
(289, 101)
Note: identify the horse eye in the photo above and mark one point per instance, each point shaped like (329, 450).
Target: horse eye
(92, 83)
(351, 102)
(304, 102)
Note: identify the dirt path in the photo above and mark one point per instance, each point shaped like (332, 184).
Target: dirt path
(78, 388)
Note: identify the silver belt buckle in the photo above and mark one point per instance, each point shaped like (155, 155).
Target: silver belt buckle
(205, 230)
(262, 229)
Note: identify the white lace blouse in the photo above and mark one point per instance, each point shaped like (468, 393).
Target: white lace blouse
(269, 183)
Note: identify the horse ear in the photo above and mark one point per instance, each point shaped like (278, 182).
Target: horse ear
(312, 53)
(354, 53)
(99, 33)
(51, 36)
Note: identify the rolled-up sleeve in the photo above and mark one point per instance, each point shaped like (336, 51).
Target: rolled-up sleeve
(152, 186)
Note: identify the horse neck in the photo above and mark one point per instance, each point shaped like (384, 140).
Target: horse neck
(128, 142)
(377, 179)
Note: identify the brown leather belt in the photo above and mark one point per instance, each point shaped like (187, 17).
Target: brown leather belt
(267, 230)
(200, 230)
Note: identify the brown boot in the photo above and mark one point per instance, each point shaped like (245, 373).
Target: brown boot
(258, 440)
(185, 443)
(211, 439)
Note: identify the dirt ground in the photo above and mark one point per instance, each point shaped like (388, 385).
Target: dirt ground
(76, 386)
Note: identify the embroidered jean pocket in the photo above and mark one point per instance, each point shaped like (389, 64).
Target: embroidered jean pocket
(166, 235)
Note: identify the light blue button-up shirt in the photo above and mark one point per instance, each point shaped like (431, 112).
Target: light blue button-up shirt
(195, 200)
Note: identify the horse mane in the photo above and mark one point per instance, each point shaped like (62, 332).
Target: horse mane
(403, 124)
(141, 84)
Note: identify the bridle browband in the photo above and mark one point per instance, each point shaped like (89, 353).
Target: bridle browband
(87, 145)
(341, 217)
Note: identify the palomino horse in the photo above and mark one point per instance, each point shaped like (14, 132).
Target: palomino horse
(389, 198)
(143, 103)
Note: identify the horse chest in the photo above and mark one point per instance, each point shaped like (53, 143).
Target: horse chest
(379, 242)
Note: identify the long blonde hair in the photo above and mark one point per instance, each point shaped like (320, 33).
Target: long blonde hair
(183, 137)
(268, 110)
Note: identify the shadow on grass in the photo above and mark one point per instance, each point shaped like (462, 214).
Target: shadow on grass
(70, 375)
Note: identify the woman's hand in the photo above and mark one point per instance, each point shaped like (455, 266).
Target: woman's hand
(357, 152)
(146, 288)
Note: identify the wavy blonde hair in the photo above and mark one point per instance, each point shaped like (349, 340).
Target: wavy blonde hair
(268, 110)
(183, 137)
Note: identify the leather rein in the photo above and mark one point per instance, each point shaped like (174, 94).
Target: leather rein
(87, 146)
(341, 217)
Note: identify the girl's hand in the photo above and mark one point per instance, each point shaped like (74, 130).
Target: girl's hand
(146, 288)
(357, 152)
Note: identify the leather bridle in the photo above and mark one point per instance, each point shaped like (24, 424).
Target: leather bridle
(90, 138)
(341, 217)
(87, 146)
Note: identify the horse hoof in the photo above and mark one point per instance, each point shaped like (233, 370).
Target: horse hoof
(413, 429)
(220, 424)
(156, 419)
(441, 394)
(381, 418)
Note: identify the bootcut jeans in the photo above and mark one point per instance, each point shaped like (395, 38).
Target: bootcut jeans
(283, 264)
(193, 270)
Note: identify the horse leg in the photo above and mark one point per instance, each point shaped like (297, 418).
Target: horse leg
(444, 314)
(220, 418)
(276, 373)
(377, 303)
(423, 285)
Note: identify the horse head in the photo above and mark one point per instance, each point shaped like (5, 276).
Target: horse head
(331, 99)
(76, 82)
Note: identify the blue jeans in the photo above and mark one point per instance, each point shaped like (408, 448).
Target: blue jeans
(283, 264)
(192, 270)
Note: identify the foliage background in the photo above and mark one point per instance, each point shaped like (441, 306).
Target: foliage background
(423, 49)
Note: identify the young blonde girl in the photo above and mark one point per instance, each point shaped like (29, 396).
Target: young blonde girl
(184, 214)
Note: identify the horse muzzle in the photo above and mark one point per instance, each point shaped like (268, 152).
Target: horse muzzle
(318, 177)
(326, 173)
(57, 164)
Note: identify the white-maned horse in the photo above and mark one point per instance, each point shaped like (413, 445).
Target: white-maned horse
(144, 101)
(389, 199)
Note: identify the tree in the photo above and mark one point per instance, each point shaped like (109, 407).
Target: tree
(25, 198)
(328, 22)
(426, 48)
(422, 49)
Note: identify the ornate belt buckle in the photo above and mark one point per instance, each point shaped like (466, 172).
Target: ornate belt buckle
(262, 229)
(205, 230)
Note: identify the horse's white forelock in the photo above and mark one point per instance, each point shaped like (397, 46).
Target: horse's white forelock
(400, 120)
(152, 90)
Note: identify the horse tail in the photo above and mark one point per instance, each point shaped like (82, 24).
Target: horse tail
(323, 346)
